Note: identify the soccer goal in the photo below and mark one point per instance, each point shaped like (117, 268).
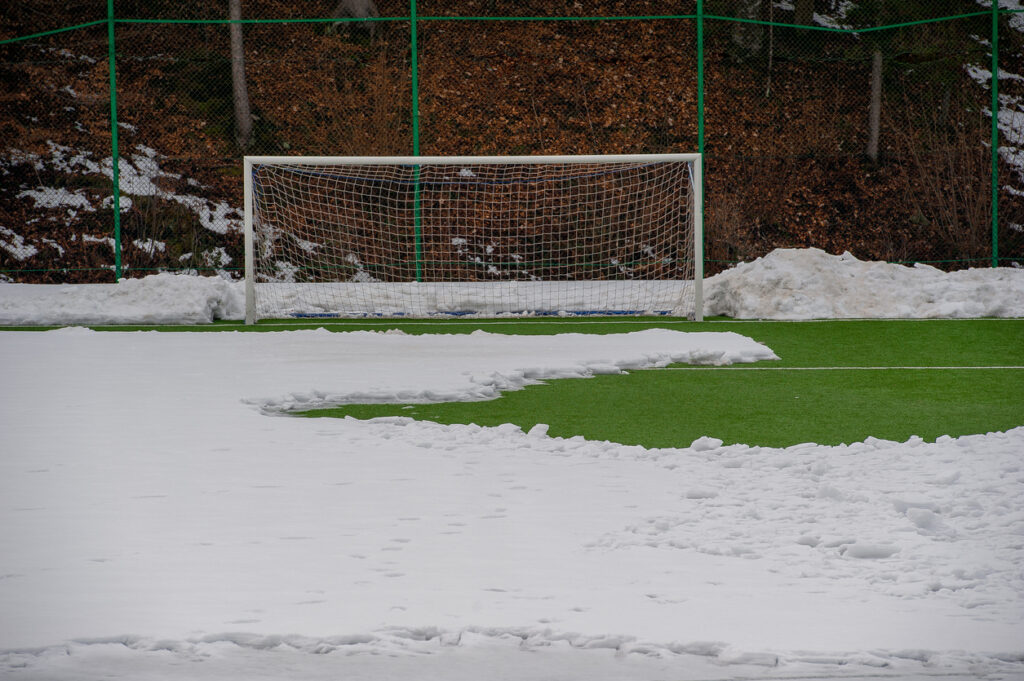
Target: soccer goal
(484, 236)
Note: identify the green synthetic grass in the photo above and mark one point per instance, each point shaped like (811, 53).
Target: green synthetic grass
(800, 398)
(672, 409)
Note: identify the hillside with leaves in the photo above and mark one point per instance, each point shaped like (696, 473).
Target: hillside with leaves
(786, 121)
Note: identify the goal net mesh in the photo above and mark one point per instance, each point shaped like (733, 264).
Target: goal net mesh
(482, 239)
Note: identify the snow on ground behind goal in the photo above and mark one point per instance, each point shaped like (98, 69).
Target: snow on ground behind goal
(811, 284)
(786, 284)
(158, 517)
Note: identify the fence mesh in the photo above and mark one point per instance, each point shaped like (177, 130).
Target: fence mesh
(55, 189)
(848, 126)
(558, 87)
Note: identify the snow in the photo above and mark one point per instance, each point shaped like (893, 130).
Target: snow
(362, 295)
(89, 238)
(161, 517)
(1009, 119)
(1015, 17)
(57, 197)
(786, 284)
(812, 284)
(840, 10)
(140, 174)
(14, 243)
(157, 299)
(150, 246)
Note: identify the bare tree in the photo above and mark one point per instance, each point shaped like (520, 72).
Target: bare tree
(919, 48)
(875, 108)
(877, 12)
(239, 91)
(358, 9)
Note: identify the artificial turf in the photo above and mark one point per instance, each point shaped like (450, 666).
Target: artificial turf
(836, 381)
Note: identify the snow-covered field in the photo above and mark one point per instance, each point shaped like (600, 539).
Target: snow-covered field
(160, 518)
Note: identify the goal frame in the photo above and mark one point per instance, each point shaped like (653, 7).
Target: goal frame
(694, 159)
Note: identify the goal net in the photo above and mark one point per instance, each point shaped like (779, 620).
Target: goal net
(485, 236)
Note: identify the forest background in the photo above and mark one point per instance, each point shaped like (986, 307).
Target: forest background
(849, 126)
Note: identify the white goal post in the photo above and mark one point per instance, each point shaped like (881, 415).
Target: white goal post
(423, 236)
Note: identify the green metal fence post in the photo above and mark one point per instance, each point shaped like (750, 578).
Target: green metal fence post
(700, 120)
(700, 77)
(414, 65)
(995, 133)
(115, 153)
(417, 216)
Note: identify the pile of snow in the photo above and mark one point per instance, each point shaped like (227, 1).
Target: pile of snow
(157, 299)
(811, 284)
(786, 284)
(156, 522)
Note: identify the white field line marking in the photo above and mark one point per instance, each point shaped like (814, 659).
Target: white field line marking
(733, 367)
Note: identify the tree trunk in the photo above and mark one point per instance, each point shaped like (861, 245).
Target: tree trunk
(947, 95)
(748, 38)
(239, 91)
(804, 12)
(875, 113)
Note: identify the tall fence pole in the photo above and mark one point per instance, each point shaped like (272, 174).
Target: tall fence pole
(115, 152)
(700, 77)
(700, 118)
(414, 66)
(417, 215)
(995, 133)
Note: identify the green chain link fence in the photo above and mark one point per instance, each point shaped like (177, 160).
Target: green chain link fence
(866, 126)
